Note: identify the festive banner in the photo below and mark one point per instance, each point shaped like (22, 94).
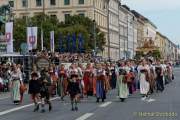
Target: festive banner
(74, 42)
(80, 42)
(52, 41)
(68, 43)
(61, 48)
(42, 40)
(32, 37)
(9, 36)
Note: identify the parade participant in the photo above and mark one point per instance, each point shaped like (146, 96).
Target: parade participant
(159, 76)
(62, 82)
(113, 76)
(100, 83)
(152, 81)
(88, 80)
(80, 79)
(122, 86)
(45, 90)
(34, 89)
(129, 76)
(53, 78)
(16, 82)
(144, 79)
(74, 91)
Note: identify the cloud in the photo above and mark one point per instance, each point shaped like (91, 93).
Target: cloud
(153, 5)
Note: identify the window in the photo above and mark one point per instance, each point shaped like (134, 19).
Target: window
(38, 2)
(11, 3)
(53, 16)
(66, 16)
(81, 1)
(81, 14)
(24, 3)
(52, 2)
(66, 2)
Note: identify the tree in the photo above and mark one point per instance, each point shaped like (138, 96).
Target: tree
(78, 24)
(74, 24)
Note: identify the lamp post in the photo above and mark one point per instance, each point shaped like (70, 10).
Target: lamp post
(94, 29)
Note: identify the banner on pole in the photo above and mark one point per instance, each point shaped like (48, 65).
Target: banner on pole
(32, 37)
(52, 41)
(42, 40)
(9, 36)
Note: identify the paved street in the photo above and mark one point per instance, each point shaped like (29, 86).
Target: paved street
(158, 108)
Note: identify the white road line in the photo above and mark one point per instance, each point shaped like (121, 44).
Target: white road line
(85, 116)
(4, 98)
(19, 108)
(105, 104)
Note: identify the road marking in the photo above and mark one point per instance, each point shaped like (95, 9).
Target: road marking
(85, 116)
(105, 104)
(19, 108)
(151, 100)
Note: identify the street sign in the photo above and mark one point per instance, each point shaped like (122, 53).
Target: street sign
(24, 48)
(42, 63)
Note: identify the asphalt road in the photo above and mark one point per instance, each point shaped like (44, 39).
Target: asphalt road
(159, 106)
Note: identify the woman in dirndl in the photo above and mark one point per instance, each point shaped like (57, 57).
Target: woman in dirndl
(122, 85)
(62, 82)
(101, 85)
(144, 79)
(16, 82)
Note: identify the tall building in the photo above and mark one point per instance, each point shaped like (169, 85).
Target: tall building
(130, 49)
(94, 9)
(114, 29)
(123, 31)
(140, 28)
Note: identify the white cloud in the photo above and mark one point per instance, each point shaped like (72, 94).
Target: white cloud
(153, 5)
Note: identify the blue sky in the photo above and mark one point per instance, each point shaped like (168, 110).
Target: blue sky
(165, 14)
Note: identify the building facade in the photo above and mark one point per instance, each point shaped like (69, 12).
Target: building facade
(94, 9)
(123, 31)
(114, 29)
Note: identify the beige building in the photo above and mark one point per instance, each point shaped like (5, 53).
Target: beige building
(140, 28)
(160, 41)
(94, 9)
(114, 29)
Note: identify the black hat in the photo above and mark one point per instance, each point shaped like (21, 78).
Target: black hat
(34, 74)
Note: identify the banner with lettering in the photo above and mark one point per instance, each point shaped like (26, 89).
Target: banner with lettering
(9, 36)
(32, 37)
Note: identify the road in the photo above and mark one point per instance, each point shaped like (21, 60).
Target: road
(162, 106)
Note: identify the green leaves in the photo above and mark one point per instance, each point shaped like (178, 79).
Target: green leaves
(73, 24)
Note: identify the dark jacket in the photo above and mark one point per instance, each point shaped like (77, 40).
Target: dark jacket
(34, 86)
(73, 88)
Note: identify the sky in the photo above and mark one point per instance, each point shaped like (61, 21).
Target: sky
(165, 14)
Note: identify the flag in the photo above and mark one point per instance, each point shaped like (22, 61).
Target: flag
(68, 39)
(61, 48)
(32, 37)
(74, 42)
(52, 41)
(80, 42)
(42, 40)
(9, 36)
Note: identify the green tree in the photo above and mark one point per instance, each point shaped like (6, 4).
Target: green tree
(74, 24)
(80, 24)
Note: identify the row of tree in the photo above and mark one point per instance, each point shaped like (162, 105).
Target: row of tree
(73, 24)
